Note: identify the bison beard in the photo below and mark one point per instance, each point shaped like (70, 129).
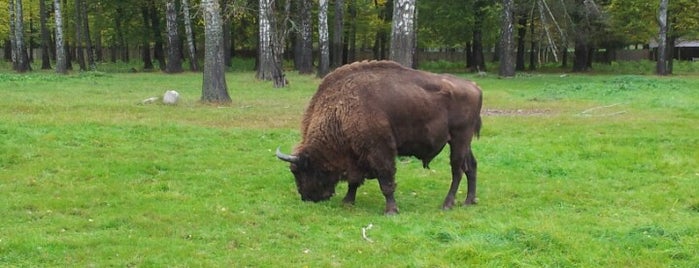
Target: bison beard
(366, 114)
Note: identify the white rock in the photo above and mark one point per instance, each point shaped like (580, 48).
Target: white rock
(171, 97)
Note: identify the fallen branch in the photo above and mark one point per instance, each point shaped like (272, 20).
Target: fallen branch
(586, 112)
(364, 230)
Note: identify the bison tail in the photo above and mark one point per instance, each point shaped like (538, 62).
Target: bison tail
(479, 123)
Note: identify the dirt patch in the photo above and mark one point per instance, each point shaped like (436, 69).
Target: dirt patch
(515, 112)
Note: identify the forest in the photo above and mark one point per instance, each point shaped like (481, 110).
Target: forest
(167, 34)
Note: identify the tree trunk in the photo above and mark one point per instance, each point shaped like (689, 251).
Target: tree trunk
(507, 45)
(193, 63)
(145, 39)
(45, 37)
(214, 88)
(403, 38)
(661, 65)
(479, 14)
(79, 53)
(158, 50)
(352, 33)
(324, 61)
(21, 56)
(338, 33)
(521, 34)
(581, 54)
(533, 46)
(13, 37)
(269, 46)
(86, 36)
(305, 38)
(174, 56)
(60, 49)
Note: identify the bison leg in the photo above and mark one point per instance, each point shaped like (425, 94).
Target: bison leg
(470, 165)
(460, 152)
(388, 187)
(351, 193)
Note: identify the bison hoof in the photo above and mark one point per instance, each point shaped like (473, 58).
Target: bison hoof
(471, 201)
(390, 212)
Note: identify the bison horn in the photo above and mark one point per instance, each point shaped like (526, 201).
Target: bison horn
(286, 157)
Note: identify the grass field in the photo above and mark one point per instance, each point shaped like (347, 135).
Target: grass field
(575, 171)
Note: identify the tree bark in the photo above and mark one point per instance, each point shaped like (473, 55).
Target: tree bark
(79, 48)
(45, 37)
(521, 34)
(269, 46)
(478, 58)
(158, 50)
(145, 38)
(305, 38)
(403, 38)
(507, 45)
(338, 33)
(661, 65)
(174, 56)
(193, 63)
(60, 49)
(86, 35)
(324, 61)
(214, 88)
(21, 56)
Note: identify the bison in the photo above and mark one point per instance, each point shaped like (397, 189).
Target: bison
(365, 114)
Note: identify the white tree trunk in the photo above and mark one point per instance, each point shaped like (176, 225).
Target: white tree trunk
(21, 53)
(403, 37)
(266, 57)
(61, 66)
(661, 66)
(214, 88)
(193, 64)
(324, 62)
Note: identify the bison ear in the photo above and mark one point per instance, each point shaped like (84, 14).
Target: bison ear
(286, 157)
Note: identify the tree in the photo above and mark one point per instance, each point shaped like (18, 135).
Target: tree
(403, 36)
(304, 39)
(479, 13)
(507, 46)
(79, 52)
(324, 61)
(45, 36)
(174, 59)
(17, 19)
(86, 36)
(269, 67)
(214, 88)
(61, 67)
(338, 33)
(661, 66)
(193, 63)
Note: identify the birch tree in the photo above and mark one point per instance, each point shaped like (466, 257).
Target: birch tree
(324, 61)
(174, 60)
(507, 45)
(661, 65)
(269, 67)
(20, 51)
(214, 88)
(61, 66)
(193, 64)
(403, 37)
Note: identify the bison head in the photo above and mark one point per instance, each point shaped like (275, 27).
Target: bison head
(313, 181)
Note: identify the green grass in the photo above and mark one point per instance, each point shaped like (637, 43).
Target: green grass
(580, 170)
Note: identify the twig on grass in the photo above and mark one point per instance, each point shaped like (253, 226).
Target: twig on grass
(588, 111)
(364, 230)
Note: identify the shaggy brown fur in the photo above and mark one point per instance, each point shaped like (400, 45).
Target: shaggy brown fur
(366, 113)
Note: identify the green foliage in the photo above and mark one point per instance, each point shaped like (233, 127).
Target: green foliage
(594, 170)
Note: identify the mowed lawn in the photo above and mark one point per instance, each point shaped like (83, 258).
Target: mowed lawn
(574, 171)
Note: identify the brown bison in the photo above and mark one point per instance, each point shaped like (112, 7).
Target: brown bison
(366, 114)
